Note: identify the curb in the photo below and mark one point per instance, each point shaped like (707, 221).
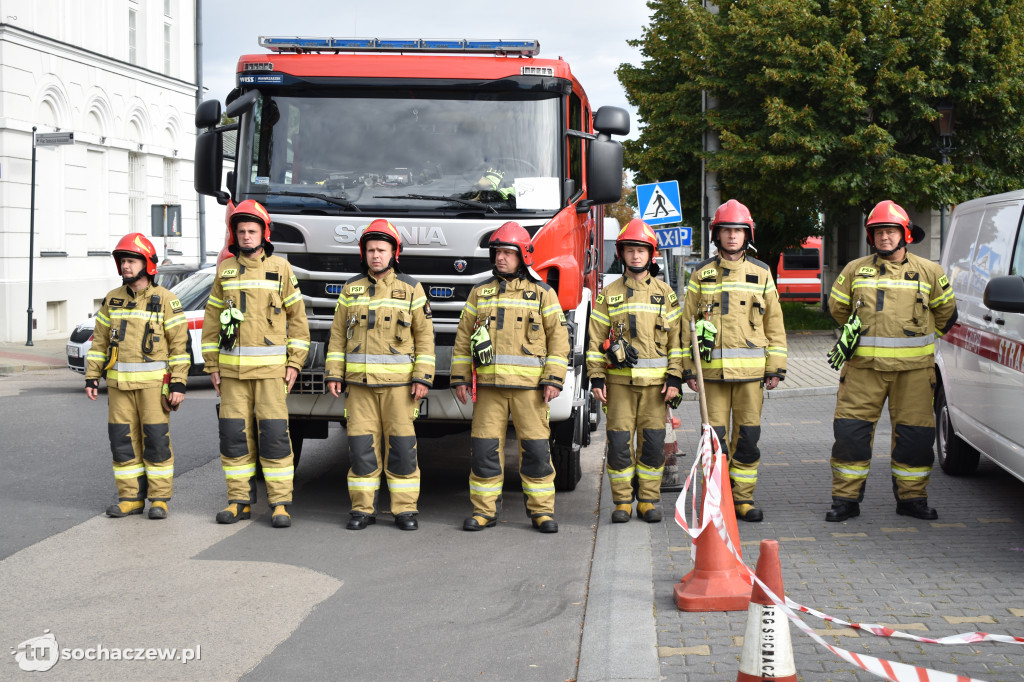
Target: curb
(799, 392)
(29, 367)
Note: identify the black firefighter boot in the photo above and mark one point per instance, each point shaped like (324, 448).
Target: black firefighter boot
(842, 510)
(918, 508)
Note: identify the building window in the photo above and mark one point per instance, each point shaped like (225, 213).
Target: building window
(167, 49)
(133, 40)
(137, 193)
(170, 181)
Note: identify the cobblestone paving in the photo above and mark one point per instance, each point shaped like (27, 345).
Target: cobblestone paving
(960, 573)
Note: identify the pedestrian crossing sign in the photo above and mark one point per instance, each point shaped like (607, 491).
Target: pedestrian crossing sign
(659, 202)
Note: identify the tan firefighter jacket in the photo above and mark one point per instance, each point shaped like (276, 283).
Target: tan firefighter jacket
(274, 334)
(740, 299)
(647, 314)
(902, 308)
(382, 334)
(527, 328)
(150, 332)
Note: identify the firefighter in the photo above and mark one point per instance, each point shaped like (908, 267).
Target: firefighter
(512, 343)
(891, 305)
(140, 342)
(635, 364)
(382, 349)
(255, 341)
(741, 345)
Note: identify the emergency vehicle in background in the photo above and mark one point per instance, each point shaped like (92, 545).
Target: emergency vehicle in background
(799, 272)
(447, 139)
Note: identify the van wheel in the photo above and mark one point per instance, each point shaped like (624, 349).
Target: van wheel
(956, 457)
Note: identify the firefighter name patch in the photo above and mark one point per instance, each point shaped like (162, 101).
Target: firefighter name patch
(229, 272)
(176, 306)
(708, 273)
(867, 271)
(398, 294)
(617, 298)
(356, 290)
(116, 302)
(943, 282)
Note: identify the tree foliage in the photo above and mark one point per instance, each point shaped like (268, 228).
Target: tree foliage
(828, 105)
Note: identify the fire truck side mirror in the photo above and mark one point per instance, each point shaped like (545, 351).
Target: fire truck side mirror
(611, 121)
(209, 165)
(243, 103)
(604, 170)
(208, 114)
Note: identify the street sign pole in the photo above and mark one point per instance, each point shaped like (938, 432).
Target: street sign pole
(31, 236)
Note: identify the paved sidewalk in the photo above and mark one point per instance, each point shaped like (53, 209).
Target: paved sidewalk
(42, 355)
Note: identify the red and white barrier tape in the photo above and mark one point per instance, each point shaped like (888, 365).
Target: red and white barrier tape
(711, 459)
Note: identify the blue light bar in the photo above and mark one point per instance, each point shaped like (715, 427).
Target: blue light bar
(524, 48)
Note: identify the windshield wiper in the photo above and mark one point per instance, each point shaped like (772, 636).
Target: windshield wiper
(337, 201)
(439, 197)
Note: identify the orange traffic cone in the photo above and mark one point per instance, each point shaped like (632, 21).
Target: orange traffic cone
(716, 582)
(670, 479)
(767, 648)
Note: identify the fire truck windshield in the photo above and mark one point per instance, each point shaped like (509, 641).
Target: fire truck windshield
(406, 152)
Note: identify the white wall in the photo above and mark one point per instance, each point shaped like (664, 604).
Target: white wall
(64, 66)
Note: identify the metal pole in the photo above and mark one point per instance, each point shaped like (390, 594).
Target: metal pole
(31, 237)
(199, 100)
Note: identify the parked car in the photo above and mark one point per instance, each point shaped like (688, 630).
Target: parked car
(980, 382)
(192, 292)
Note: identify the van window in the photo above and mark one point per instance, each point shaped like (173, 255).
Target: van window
(801, 259)
(1017, 266)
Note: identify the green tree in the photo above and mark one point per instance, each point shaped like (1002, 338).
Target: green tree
(827, 106)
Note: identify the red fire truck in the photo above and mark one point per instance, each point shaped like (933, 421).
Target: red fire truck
(332, 133)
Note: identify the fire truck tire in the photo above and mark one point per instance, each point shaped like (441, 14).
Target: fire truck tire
(566, 445)
(956, 457)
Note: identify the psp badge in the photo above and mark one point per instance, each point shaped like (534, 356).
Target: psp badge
(460, 265)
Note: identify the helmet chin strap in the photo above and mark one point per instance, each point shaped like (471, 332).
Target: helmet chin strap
(125, 281)
(250, 250)
(637, 269)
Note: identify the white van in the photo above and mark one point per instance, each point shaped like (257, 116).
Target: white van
(979, 399)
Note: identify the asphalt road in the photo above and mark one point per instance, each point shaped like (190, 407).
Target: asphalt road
(311, 602)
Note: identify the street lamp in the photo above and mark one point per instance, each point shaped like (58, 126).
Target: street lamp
(944, 127)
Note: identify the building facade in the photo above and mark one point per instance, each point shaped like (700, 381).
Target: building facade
(121, 76)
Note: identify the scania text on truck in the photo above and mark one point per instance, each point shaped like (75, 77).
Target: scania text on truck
(447, 139)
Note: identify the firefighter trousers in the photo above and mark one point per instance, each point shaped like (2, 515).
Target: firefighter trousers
(140, 441)
(862, 393)
(381, 438)
(254, 424)
(490, 423)
(635, 414)
(734, 409)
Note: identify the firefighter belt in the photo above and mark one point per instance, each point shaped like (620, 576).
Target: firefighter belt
(254, 423)
(734, 409)
(490, 423)
(862, 391)
(140, 442)
(635, 413)
(381, 438)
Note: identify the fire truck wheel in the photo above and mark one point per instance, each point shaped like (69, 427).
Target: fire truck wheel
(566, 444)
